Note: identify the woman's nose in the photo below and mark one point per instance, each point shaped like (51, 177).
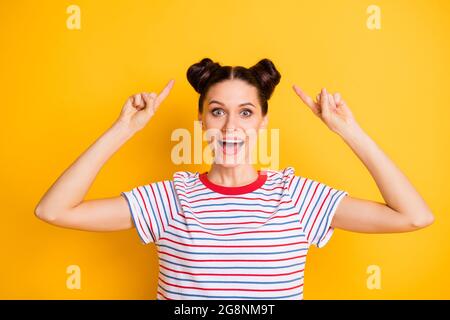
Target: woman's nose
(230, 124)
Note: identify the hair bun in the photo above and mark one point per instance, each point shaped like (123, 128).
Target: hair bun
(199, 73)
(267, 75)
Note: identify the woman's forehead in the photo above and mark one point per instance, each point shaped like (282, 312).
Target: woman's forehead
(232, 92)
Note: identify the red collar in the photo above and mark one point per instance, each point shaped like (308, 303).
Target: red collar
(262, 177)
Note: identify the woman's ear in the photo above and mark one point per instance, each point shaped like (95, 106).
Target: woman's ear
(264, 122)
(200, 120)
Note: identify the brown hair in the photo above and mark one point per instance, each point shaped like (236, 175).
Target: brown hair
(263, 75)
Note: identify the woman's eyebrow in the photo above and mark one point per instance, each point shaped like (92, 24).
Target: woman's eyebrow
(240, 105)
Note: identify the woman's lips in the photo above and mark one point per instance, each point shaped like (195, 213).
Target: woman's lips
(230, 147)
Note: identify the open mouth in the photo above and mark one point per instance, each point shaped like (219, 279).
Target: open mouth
(230, 147)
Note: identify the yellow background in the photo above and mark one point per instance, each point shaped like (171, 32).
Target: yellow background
(61, 89)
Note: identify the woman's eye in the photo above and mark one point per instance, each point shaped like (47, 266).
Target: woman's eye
(246, 113)
(216, 112)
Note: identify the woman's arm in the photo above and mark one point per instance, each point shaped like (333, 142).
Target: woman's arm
(405, 210)
(63, 203)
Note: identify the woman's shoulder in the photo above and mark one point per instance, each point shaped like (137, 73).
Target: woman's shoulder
(185, 175)
(283, 174)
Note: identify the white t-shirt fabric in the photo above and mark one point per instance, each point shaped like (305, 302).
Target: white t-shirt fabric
(245, 242)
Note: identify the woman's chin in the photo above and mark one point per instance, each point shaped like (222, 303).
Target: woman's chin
(230, 162)
(228, 165)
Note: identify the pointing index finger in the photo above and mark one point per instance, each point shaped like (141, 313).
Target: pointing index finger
(164, 93)
(305, 98)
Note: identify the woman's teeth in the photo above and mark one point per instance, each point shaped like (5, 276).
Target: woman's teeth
(231, 146)
(232, 142)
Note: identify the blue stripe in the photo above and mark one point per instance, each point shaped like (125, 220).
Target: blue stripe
(236, 267)
(142, 214)
(296, 185)
(212, 193)
(175, 198)
(245, 239)
(324, 216)
(226, 253)
(232, 282)
(268, 194)
(331, 207)
(191, 180)
(225, 217)
(158, 187)
(227, 297)
(279, 209)
(278, 180)
(152, 211)
(234, 203)
(132, 216)
(313, 210)
(305, 197)
(233, 228)
(197, 195)
(244, 228)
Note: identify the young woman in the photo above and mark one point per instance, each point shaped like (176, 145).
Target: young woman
(234, 232)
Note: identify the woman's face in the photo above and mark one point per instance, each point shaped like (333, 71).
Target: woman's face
(232, 117)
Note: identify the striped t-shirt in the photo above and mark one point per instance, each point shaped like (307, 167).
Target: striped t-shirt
(245, 242)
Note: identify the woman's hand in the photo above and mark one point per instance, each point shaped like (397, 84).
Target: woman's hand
(331, 109)
(140, 108)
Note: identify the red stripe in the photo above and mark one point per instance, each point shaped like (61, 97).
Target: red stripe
(301, 191)
(270, 174)
(184, 192)
(232, 260)
(277, 187)
(168, 200)
(310, 200)
(222, 223)
(195, 190)
(318, 213)
(235, 233)
(194, 185)
(231, 223)
(233, 275)
(192, 177)
(193, 181)
(290, 183)
(231, 246)
(157, 208)
(230, 289)
(146, 210)
(232, 197)
(234, 210)
(159, 292)
(143, 231)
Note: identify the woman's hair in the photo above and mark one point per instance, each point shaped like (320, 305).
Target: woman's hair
(263, 75)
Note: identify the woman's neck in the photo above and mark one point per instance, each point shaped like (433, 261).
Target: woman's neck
(234, 176)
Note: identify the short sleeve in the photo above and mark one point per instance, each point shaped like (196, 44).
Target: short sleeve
(316, 204)
(152, 207)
